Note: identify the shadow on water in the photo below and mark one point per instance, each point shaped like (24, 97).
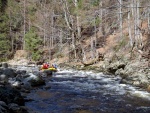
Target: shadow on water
(74, 94)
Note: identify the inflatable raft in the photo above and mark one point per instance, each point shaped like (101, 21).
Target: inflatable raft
(50, 69)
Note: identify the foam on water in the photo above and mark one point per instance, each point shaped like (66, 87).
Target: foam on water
(109, 83)
(140, 94)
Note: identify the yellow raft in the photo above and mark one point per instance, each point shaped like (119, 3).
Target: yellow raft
(51, 69)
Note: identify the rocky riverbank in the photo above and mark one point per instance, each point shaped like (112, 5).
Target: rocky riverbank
(15, 83)
(135, 72)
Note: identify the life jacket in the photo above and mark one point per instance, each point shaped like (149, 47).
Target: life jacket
(45, 66)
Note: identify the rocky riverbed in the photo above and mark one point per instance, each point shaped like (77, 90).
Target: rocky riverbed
(15, 83)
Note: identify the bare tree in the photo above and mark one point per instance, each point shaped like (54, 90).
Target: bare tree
(129, 29)
(24, 32)
(70, 23)
(148, 15)
(120, 17)
(100, 15)
(78, 19)
(45, 22)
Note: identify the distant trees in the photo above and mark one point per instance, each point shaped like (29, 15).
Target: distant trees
(4, 28)
(68, 23)
(15, 25)
(33, 45)
(3, 5)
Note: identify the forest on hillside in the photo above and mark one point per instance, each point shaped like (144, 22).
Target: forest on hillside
(76, 29)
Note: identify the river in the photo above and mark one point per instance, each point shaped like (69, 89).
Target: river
(72, 91)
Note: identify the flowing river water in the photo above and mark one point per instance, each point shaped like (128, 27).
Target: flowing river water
(71, 91)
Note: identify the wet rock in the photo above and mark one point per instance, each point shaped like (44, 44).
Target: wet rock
(35, 80)
(25, 76)
(21, 72)
(14, 83)
(3, 107)
(3, 78)
(10, 72)
(1, 71)
(26, 86)
(11, 95)
(4, 65)
(15, 108)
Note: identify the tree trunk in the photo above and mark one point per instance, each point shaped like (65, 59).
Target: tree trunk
(52, 35)
(24, 32)
(44, 24)
(100, 15)
(120, 17)
(10, 32)
(129, 28)
(60, 40)
(78, 20)
(92, 48)
(148, 20)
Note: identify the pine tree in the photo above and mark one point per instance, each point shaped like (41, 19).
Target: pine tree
(33, 43)
(4, 29)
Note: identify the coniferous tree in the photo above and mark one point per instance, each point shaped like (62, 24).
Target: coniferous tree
(33, 43)
(4, 29)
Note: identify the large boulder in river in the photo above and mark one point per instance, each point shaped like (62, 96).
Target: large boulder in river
(9, 72)
(3, 78)
(4, 65)
(34, 80)
(11, 95)
(21, 72)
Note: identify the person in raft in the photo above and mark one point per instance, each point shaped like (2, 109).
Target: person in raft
(54, 66)
(45, 66)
